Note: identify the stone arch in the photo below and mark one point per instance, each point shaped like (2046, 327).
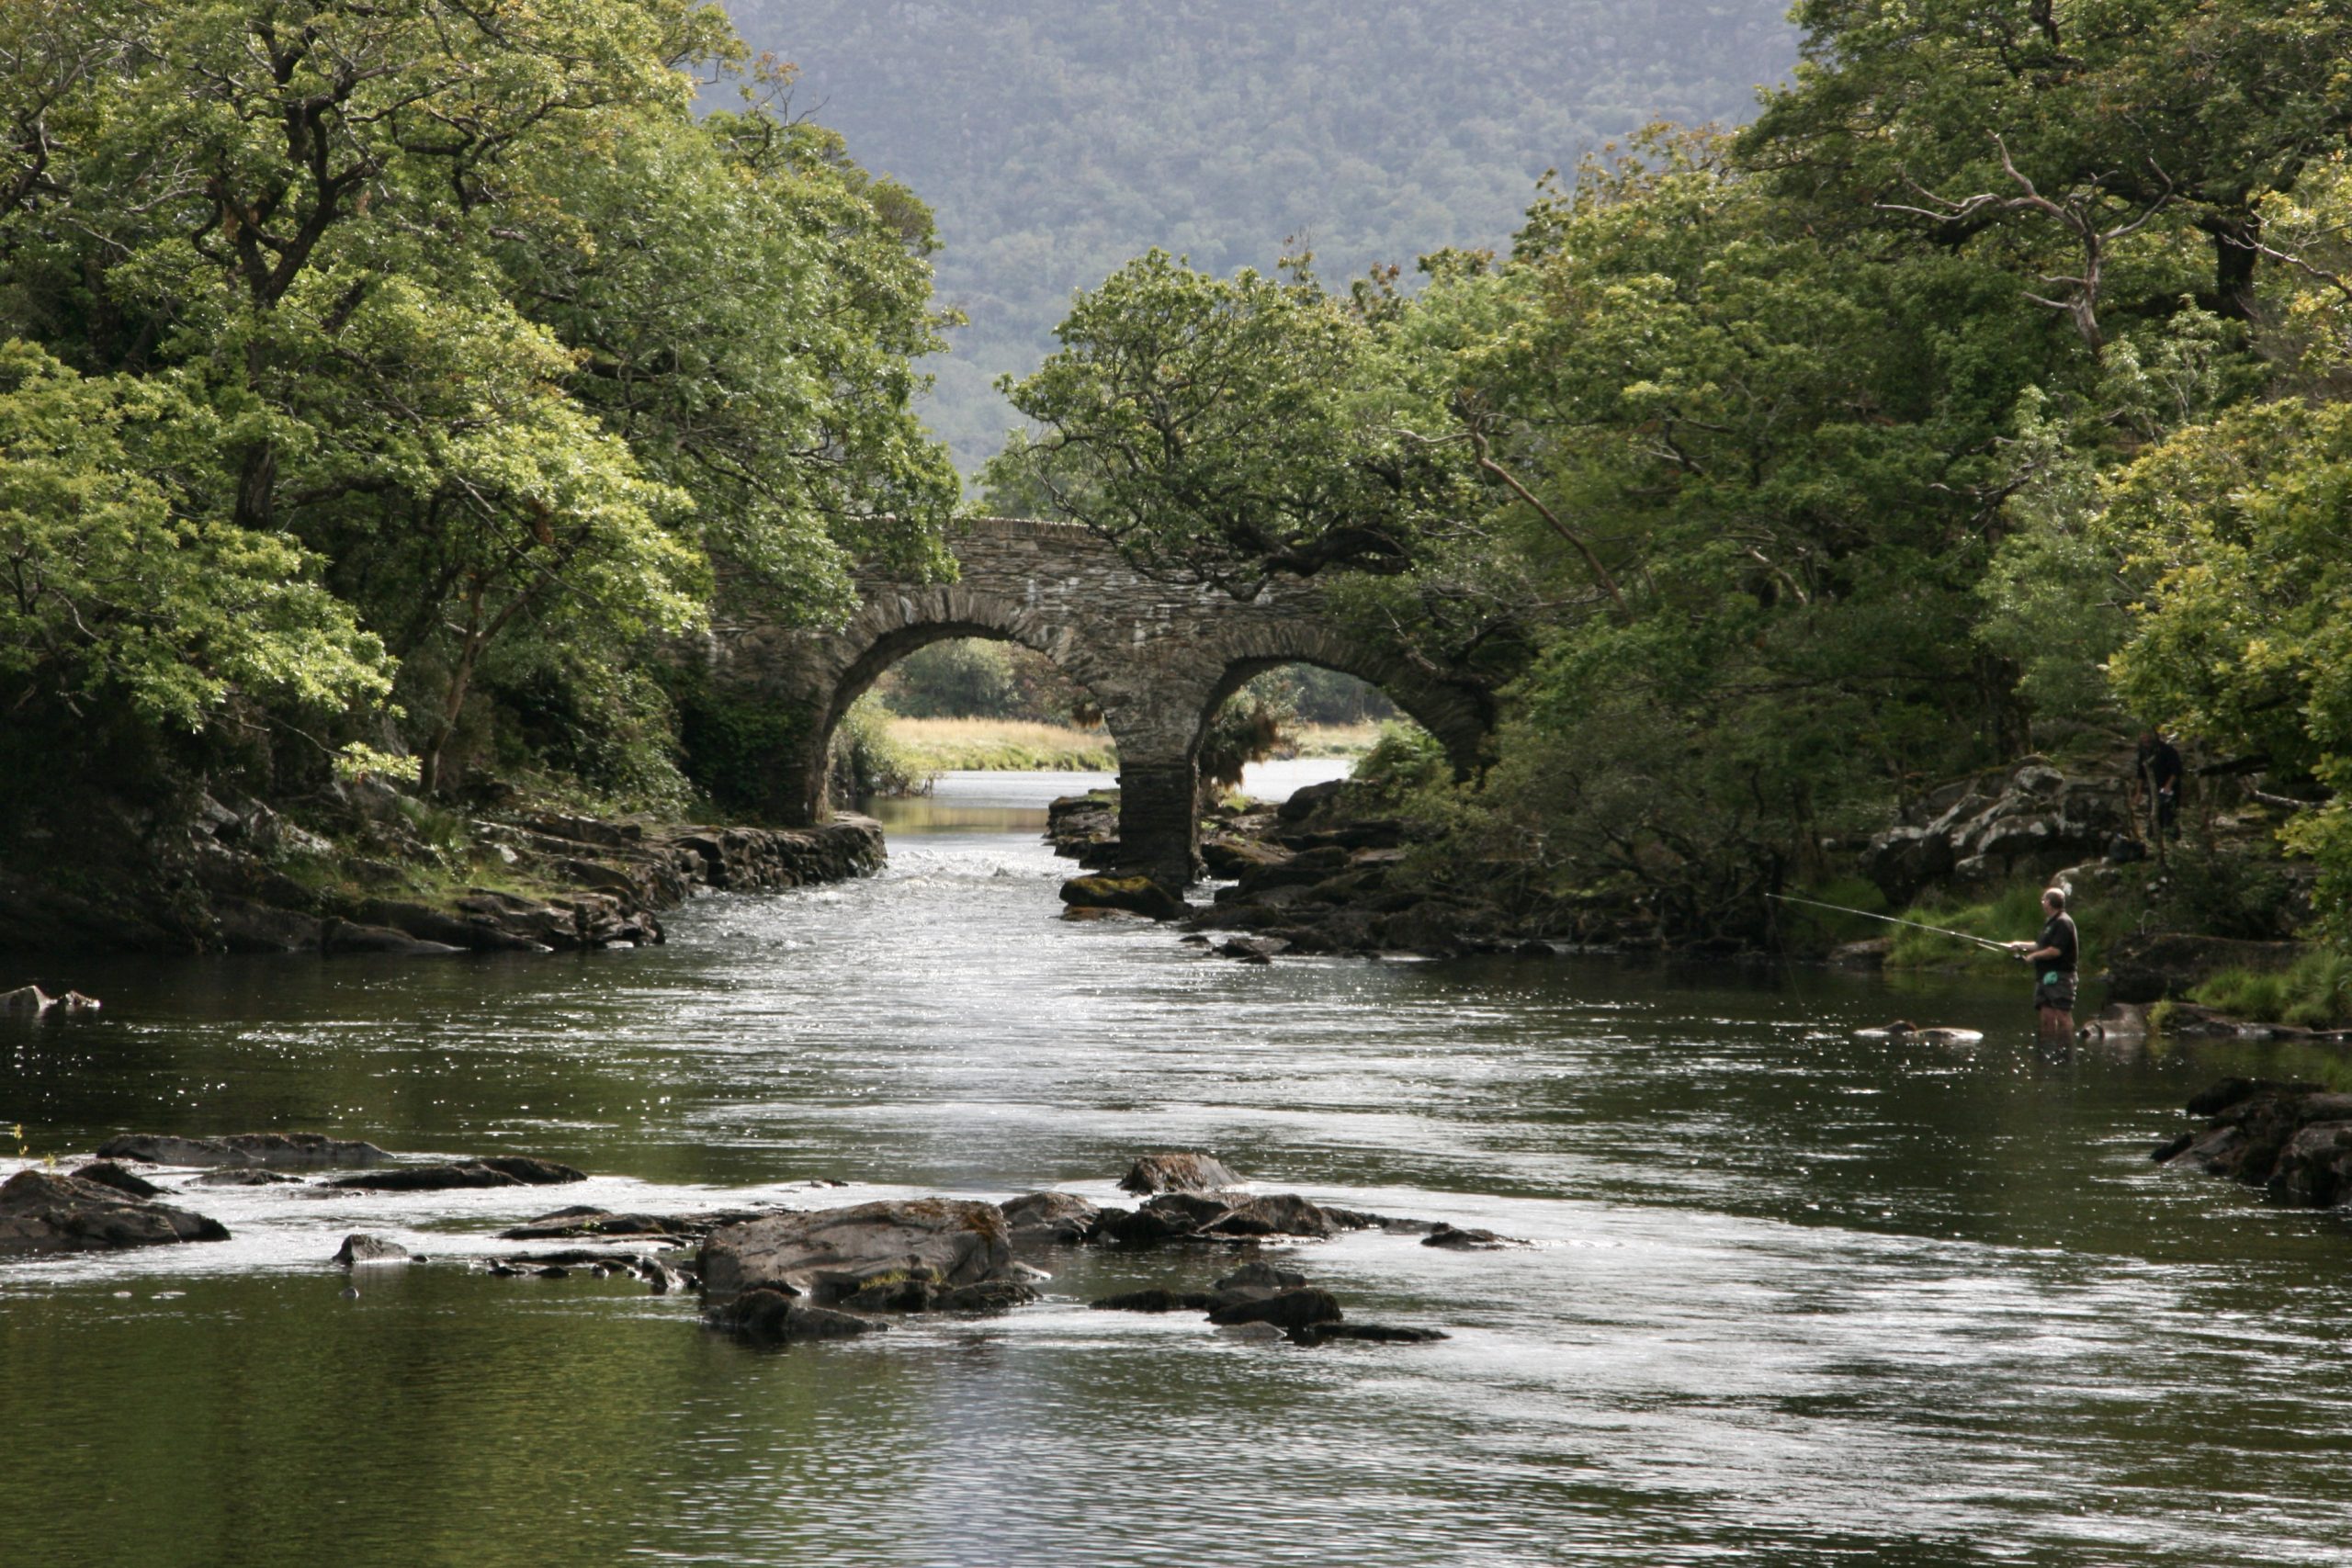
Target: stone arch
(1460, 716)
(897, 622)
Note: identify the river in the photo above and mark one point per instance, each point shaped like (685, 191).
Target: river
(1792, 1297)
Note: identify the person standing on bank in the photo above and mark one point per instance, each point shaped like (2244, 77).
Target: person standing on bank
(2053, 955)
(2157, 765)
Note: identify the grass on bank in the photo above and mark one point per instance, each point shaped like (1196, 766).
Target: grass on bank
(2013, 914)
(1329, 739)
(959, 745)
(990, 745)
(2313, 992)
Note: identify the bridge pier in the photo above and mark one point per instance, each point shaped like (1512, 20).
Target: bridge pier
(1159, 818)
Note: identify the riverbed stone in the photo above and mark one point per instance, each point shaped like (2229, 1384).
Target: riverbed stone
(2295, 1140)
(587, 1220)
(1134, 894)
(775, 1317)
(1179, 1171)
(106, 1173)
(1281, 1213)
(48, 1210)
(830, 1254)
(270, 1150)
(1286, 1310)
(1157, 1299)
(1457, 1239)
(360, 1248)
(1057, 1219)
(1258, 1278)
(494, 1170)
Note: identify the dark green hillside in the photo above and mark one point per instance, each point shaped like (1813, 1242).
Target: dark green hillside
(1056, 137)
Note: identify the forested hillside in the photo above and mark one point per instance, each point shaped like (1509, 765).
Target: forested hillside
(1056, 137)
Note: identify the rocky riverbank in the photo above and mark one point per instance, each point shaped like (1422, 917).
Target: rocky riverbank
(2292, 1140)
(377, 872)
(1321, 872)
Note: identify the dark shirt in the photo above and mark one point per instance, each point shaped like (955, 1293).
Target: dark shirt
(2160, 765)
(2059, 933)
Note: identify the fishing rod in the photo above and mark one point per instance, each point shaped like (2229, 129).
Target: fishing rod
(1892, 920)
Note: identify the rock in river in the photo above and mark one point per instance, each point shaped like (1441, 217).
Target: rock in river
(1177, 1173)
(2292, 1139)
(46, 1210)
(1057, 1219)
(274, 1150)
(494, 1170)
(1136, 895)
(358, 1248)
(901, 1255)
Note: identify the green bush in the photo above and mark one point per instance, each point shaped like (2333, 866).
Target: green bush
(866, 761)
(1404, 758)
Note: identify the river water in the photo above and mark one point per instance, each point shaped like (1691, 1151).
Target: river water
(1792, 1297)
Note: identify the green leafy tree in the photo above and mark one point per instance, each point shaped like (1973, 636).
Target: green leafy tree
(482, 313)
(113, 594)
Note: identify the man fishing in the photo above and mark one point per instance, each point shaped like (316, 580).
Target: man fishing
(2053, 955)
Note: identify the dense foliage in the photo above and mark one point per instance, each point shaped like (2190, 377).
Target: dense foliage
(1057, 138)
(429, 349)
(1986, 395)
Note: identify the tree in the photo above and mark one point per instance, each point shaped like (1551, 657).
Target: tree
(481, 312)
(112, 594)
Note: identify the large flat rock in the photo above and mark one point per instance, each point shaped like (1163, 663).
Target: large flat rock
(832, 1255)
(47, 1211)
(277, 1151)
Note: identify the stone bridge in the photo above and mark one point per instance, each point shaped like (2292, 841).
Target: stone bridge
(1158, 658)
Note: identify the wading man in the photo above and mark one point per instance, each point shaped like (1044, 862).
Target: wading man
(2053, 956)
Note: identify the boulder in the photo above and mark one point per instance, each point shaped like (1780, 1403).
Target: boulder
(1179, 1172)
(824, 1257)
(2315, 1167)
(1252, 1281)
(358, 1248)
(46, 1210)
(106, 1173)
(2033, 821)
(1287, 1310)
(1135, 894)
(1057, 1219)
(1374, 1333)
(245, 1176)
(1157, 1300)
(773, 1317)
(1285, 1214)
(341, 937)
(495, 1170)
(2292, 1139)
(1458, 1239)
(587, 1220)
(270, 1150)
(1306, 802)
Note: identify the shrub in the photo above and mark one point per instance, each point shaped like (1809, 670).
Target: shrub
(866, 761)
